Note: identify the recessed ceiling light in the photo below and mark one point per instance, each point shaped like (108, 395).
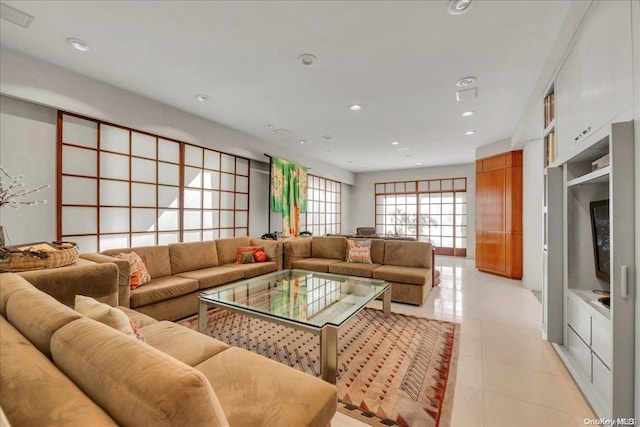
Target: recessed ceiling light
(466, 81)
(302, 141)
(470, 132)
(355, 107)
(269, 126)
(202, 97)
(81, 45)
(467, 114)
(307, 60)
(418, 163)
(327, 152)
(458, 7)
(395, 143)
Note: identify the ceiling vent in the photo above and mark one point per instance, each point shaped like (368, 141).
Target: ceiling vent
(15, 16)
(466, 94)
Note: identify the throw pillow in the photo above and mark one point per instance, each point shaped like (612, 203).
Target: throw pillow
(360, 254)
(247, 257)
(352, 244)
(246, 249)
(260, 256)
(137, 268)
(108, 315)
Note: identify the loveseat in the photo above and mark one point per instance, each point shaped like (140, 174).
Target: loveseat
(406, 265)
(59, 367)
(181, 271)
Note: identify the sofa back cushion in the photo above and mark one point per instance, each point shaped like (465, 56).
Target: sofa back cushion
(333, 247)
(228, 248)
(407, 254)
(155, 258)
(192, 256)
(134, 383)
(35, 393)
(37, 316)
(10, 283)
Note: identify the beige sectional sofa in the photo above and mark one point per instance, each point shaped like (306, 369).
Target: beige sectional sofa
(59, 367)
(406, 265)
(181, 271)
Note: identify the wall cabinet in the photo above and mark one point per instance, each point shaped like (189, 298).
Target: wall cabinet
(594, 85)
(499, 214)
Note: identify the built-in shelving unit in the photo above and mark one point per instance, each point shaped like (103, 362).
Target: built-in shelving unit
(550, 151)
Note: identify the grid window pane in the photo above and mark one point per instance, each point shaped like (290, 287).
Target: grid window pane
(323, 206)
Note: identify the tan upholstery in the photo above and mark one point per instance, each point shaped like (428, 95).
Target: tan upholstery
(172, 309)
(214, 276)
(314, 264)
(255, 269)
(410, 275)
(10, 283)
(124, 271)
(407, 254)
(353, 269)
(33, 392)
(141, 320)
(37, 316)
(155, 258)
(268, 393)
(404, 264)
(228, 248)
(329, 247)
(110, 371)
(186, 345)
(161, 289)
(192, 256)
(95, 280)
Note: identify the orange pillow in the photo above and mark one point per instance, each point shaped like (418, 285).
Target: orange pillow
(247, 249)
(137, 267)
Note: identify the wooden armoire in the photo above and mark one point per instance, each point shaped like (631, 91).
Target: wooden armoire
(499, 214)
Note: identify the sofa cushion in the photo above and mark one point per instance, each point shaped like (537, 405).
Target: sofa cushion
(155, 258)
(35, 393)
(138, 318)
(37, 316)
(214, 276)
(10, 283)
(268, 393)
(162, 289)
(314, 264)
(136, 384)
(410, 275)
(329, 247)
(244, 249)
(184, 344)
(228, 248)
(193, 256)
(407, 254)
(353, 269)
(110, 316)
(256, 269)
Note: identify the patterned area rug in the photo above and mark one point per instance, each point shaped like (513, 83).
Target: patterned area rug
(394, 371)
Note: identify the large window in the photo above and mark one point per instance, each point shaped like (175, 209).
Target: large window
(323, 206)
(118, 187)
(429, 210)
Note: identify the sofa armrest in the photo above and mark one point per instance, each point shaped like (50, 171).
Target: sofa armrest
(124, 273)
(99, 281)
(272, 248)
(296, 249)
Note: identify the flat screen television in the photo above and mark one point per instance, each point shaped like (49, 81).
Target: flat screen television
(601, 238)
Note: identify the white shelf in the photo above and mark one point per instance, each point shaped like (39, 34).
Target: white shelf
(550, 127)
(591, 299)
(597, 176)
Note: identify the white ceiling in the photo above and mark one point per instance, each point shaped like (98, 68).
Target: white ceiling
(399, 59)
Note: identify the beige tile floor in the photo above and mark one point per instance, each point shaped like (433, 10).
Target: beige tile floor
(507, 375)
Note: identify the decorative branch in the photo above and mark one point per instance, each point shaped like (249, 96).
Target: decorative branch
(13, 190)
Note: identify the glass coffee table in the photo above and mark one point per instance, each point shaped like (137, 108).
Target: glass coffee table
(319, 303)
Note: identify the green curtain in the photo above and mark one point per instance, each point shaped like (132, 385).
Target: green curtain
(288, 193)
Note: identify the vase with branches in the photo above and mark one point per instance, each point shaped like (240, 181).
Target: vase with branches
(12, 193)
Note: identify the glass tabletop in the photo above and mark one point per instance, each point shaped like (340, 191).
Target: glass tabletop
(307, 297)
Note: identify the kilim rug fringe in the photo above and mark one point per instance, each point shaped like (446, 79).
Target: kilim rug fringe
(393, 371)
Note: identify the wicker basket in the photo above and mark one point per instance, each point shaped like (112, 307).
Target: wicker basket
(24, 260)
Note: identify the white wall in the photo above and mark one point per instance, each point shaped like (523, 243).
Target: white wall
(635, 19)
(532, 227)
(363, 195)
(493, 149)
(28, 148)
